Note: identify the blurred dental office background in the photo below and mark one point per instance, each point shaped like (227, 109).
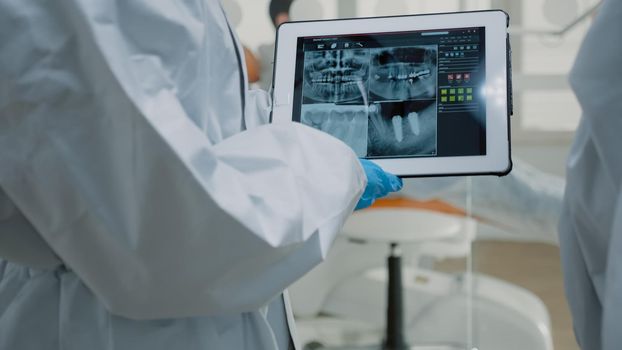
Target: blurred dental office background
(477, 275)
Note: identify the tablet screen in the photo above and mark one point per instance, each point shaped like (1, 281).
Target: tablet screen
(396, 95)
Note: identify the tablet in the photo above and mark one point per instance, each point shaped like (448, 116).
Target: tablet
(421, 95)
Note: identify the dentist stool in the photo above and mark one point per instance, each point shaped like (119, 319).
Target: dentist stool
(405, 226)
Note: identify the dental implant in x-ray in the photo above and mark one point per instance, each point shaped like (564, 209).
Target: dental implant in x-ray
(347, 123)
(402, 129)
(403, 73)
(335, 76)
(412, 122)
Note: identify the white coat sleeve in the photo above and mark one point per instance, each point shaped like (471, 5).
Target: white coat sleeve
(129, 192)
(612, 338)
(258, 106)
(19, 241)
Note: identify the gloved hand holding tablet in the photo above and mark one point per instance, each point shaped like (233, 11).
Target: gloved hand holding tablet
(424, 95)
(379, 184)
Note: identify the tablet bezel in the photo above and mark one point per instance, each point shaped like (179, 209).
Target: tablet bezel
(497, 159)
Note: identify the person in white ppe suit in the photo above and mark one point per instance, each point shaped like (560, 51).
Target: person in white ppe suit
(590, 226)
(134, 212)
(591, 223)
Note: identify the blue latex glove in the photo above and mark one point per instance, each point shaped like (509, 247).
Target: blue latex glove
(379, 184)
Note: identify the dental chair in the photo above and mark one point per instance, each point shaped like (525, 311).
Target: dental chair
(343, 301)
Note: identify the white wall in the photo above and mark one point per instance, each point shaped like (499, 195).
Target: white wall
(255, 27)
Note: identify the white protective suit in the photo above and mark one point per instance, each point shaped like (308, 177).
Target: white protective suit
(591, 224)
(134, 213)
(265, 54)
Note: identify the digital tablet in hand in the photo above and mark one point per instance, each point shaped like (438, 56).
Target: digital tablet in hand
(421, 95)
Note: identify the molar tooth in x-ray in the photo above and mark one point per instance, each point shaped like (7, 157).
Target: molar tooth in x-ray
(335, 125)
(332, 76)
(358, 141)
(313, 119)
(397, 127)
(347, 123)
(404, 73)
(413, 122)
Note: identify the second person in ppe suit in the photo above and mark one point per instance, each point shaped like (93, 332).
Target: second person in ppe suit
(590, 232)
(134, 213)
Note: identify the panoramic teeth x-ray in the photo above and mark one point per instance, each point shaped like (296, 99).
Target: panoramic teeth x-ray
(347, 123)
(336, 76)
(379, 101)
(403, 73)
(402, 129)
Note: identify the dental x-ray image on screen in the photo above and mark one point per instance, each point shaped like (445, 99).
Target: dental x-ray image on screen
(395, 95)
(335, 76)
(347, 123)
(403, 73)
(421, 95)
(381, 102)
(403, 129)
